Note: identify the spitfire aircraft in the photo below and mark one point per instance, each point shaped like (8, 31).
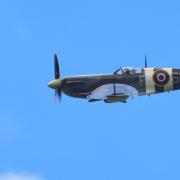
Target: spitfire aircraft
(124, 83)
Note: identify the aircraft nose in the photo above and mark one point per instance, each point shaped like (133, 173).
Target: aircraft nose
(54, 84)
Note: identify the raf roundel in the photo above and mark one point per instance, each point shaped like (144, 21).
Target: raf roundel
(161, 77)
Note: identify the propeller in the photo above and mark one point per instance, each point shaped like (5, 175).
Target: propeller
(56, 83)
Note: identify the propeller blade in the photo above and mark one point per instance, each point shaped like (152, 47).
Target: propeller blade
(58, 94)
(58, 91)
(56, 67)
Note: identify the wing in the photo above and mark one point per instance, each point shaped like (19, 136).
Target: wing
(111, 93)
(113, 98)
(116, 98)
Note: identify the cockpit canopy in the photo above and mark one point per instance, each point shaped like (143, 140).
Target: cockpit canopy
(129, 70)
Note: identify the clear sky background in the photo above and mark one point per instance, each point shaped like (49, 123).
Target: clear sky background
(77, 140)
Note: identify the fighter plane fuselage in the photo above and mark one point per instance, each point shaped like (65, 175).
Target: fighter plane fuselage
(119, 86)
(146, 81)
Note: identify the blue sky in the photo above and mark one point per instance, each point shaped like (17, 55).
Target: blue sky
(76, 140)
